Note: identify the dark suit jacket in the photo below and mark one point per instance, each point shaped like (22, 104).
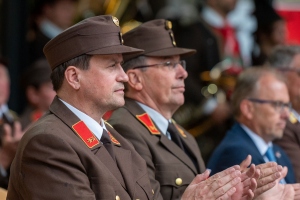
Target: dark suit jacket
(53, 162)
(166, 162)
(237, 145)
(290, 143)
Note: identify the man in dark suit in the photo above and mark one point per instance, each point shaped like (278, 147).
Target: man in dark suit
(153, 93)
(71, 153)
(261, 107)
(287, 60)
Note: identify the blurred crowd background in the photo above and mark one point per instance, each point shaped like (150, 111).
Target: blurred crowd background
(229, 35)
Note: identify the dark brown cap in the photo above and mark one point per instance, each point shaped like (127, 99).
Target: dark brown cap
(38, 73)
(156, 38)
(92, 36)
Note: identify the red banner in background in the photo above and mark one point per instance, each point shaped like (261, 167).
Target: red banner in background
(291, 13)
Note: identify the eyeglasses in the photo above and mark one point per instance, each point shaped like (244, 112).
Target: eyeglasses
(278, 105)
(169, 64)
(285, 69)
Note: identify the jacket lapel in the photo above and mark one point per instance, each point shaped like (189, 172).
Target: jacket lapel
(145, 119)
(88, 139)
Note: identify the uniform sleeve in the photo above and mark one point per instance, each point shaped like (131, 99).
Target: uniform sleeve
(51, 169)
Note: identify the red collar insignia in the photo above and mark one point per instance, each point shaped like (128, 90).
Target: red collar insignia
(179, 129)
(85, 134)
(113, 139)
(147, 121)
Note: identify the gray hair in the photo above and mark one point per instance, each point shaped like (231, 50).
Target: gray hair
(135, 62)
(282, 56)
(247, 85)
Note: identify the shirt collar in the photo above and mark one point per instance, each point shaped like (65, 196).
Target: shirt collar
(261, 145)
(94, 126)
(158, 119)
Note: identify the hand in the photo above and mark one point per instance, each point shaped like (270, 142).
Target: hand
(10, 141)
(297, 190)
(245, 190)
(219, 186)
(269, 173)
(279, 191)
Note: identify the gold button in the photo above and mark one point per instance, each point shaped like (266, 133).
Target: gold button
(152, 191)
(117, 197)
(178, 181)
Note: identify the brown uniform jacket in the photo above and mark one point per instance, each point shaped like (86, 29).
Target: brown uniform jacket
(170, 169)
(53, 162)
(290, 143)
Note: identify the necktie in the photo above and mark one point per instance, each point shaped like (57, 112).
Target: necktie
(175, 135)
(105, 139)
(271, 157)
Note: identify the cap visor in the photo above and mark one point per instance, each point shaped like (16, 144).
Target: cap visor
(172, 52)
(119, 49)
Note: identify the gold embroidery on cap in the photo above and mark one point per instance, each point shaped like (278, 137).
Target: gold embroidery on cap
(173, 39)
(115, 20)
(121, 39)
(168, 25)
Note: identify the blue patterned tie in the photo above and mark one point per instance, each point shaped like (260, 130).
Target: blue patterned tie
(270, 155)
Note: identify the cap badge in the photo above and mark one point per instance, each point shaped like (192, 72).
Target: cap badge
(168, 25)
(115, 20)
(148, 123)
(173, 39)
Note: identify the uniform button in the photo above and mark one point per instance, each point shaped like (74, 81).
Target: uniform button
(117, 197)
(178, 181)
(152, 191)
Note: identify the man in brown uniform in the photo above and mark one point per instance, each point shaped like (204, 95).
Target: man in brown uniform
(153, 93)
(70, 153)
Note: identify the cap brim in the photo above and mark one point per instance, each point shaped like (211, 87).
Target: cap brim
(119, 49)
(163, 52)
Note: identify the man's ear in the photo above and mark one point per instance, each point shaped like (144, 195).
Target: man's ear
(247, 108)
(72, 74)
(135, 79)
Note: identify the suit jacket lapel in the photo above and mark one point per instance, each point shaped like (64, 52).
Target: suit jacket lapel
(244, 136)
(135, 110)
(69, 118)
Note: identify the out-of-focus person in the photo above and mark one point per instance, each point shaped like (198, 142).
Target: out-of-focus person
(49, 18)
(261, 107)
(10, 128)
(271, 31)
(287, 60)
(39, 92)
(217, 47)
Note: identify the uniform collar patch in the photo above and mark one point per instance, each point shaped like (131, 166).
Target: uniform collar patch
(148, 123)
(85, 134)
(179, 129)
(113, 139)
